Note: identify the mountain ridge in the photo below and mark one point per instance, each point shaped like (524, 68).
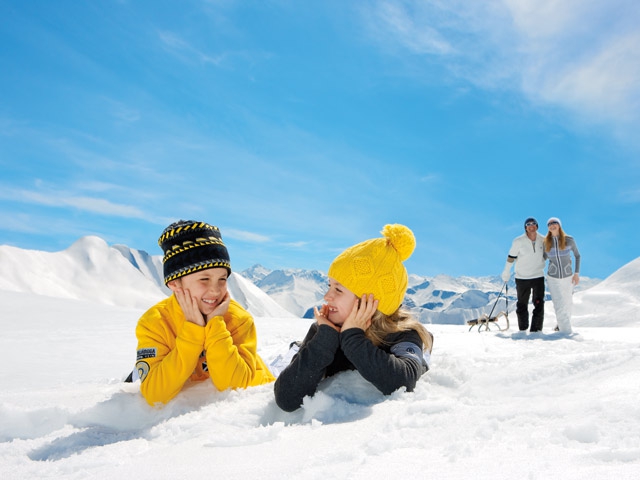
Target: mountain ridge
(133, 278)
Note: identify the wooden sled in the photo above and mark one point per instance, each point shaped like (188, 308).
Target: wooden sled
(485, 321)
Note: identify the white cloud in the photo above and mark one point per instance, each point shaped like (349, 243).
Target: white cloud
(431, 178)
(123, 113)
(583, 57)
(605, 83)
(409, 25)
(185, 51)
(19, 222)
(630, 196)
(296, 244)
(245, 236)
(61, 199)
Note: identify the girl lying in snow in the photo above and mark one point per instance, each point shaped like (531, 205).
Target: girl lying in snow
(362, 326)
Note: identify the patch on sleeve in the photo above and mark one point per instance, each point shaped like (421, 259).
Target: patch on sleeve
(143, 369)
(146, 353)
(408, 349)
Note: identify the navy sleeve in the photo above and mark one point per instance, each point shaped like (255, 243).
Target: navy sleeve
(386, 370)
(307, 368)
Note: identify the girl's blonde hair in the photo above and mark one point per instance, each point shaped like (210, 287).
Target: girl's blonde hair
(562, 240)
(399, 321)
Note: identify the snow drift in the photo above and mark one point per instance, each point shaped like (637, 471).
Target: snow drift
(494, 405)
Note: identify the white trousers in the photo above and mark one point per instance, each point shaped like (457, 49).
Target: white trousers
(561, 290)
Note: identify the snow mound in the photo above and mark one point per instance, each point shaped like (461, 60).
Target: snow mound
(619, 293)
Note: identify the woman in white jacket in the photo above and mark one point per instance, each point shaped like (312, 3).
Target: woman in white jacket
(561, 278)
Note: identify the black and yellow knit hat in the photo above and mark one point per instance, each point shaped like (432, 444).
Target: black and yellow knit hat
(375, 266)
(191, 246)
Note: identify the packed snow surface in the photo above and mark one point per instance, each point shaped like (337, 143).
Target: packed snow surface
(495, 405)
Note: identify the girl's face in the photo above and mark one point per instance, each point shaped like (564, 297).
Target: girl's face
(340, 302)
(554, 228)
(208, 287)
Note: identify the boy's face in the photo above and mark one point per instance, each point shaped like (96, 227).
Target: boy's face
(208, 287)
(340, 301)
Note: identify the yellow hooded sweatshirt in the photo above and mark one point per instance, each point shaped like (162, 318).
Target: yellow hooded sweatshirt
(172, 351)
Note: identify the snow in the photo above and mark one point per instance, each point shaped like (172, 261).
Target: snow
(497, 405)
(89, 269)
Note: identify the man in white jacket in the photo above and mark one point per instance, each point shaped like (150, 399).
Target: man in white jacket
(527, 253)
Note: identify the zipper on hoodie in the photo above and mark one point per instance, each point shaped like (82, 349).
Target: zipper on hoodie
(557, 247)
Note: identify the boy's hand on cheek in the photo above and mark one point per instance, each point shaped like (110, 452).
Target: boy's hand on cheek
(222, 307)
(189, 307)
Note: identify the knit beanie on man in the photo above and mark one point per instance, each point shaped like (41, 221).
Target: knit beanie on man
(375, 266)
(191, 246)
(530, 220)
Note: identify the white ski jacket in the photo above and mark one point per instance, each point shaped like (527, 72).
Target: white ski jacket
(528, 256)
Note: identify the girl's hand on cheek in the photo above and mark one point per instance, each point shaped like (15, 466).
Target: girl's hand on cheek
(321, 317)
(362, 313)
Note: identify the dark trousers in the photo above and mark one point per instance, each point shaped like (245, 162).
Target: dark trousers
(524, 287)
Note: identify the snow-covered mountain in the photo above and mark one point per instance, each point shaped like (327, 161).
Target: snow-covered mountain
(440, 299)
(296, 290)
(91, 270)
(621, 288)
(88, 270)
(118, 275)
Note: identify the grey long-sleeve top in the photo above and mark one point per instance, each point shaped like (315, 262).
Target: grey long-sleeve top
(560, 260)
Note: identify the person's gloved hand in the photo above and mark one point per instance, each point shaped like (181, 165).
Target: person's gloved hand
(506, 273)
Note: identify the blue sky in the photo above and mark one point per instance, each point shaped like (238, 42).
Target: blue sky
(301, 128)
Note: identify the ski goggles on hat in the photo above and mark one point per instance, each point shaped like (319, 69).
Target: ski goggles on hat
(530, 224)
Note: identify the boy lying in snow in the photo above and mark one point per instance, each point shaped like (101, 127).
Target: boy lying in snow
(198, 332)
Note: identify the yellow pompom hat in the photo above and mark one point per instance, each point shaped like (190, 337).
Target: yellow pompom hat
(375, 266)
